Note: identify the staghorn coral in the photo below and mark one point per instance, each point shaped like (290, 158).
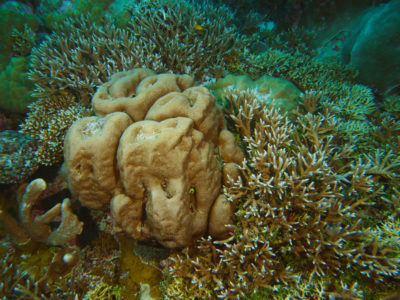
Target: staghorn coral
(161, 35)
(335, 83)
(387, 234)
(103, 49)
(302, 69)
(383, 165)
(47, 122)
(160, 141)
(354, 102)
(190, 37)
(299, 221)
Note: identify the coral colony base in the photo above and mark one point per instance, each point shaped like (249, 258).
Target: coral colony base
(172, 149)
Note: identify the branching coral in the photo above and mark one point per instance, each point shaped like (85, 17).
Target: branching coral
(102, 49)
(190, 37)
(47, 122)
(335, 83)
(298, 219)
(161, 35)
(23, 41)
(387, 234)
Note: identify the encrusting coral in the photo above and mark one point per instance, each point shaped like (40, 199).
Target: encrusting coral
(277, 91)
(155, 157)
(301, 220)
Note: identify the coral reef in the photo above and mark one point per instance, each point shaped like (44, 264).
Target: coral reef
(103, 49)
(303, 222)
(17, 156)
(37, 228)
(169, 154)
(23, 41)
(11, 20)
(15, 87)
(47, 122)
(294, 195)
(192, 38)
(56, 67)
(54, 12)
(334, 83)
(36, 271)
(283, 94)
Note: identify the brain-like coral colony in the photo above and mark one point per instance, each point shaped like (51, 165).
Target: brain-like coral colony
(156, 154)
(178, 36)
(193, 162)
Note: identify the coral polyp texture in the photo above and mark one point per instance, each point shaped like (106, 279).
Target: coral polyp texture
(156, 155)
(302, 220)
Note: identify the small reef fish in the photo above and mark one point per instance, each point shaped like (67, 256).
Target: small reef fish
(198, 27)
(63, 92)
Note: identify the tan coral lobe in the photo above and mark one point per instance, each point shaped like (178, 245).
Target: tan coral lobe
(89, 152)
(196, 103)
(161, 174)
(135, 91)
(159, 163)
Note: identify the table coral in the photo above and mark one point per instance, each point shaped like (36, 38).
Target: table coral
(161, 174)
